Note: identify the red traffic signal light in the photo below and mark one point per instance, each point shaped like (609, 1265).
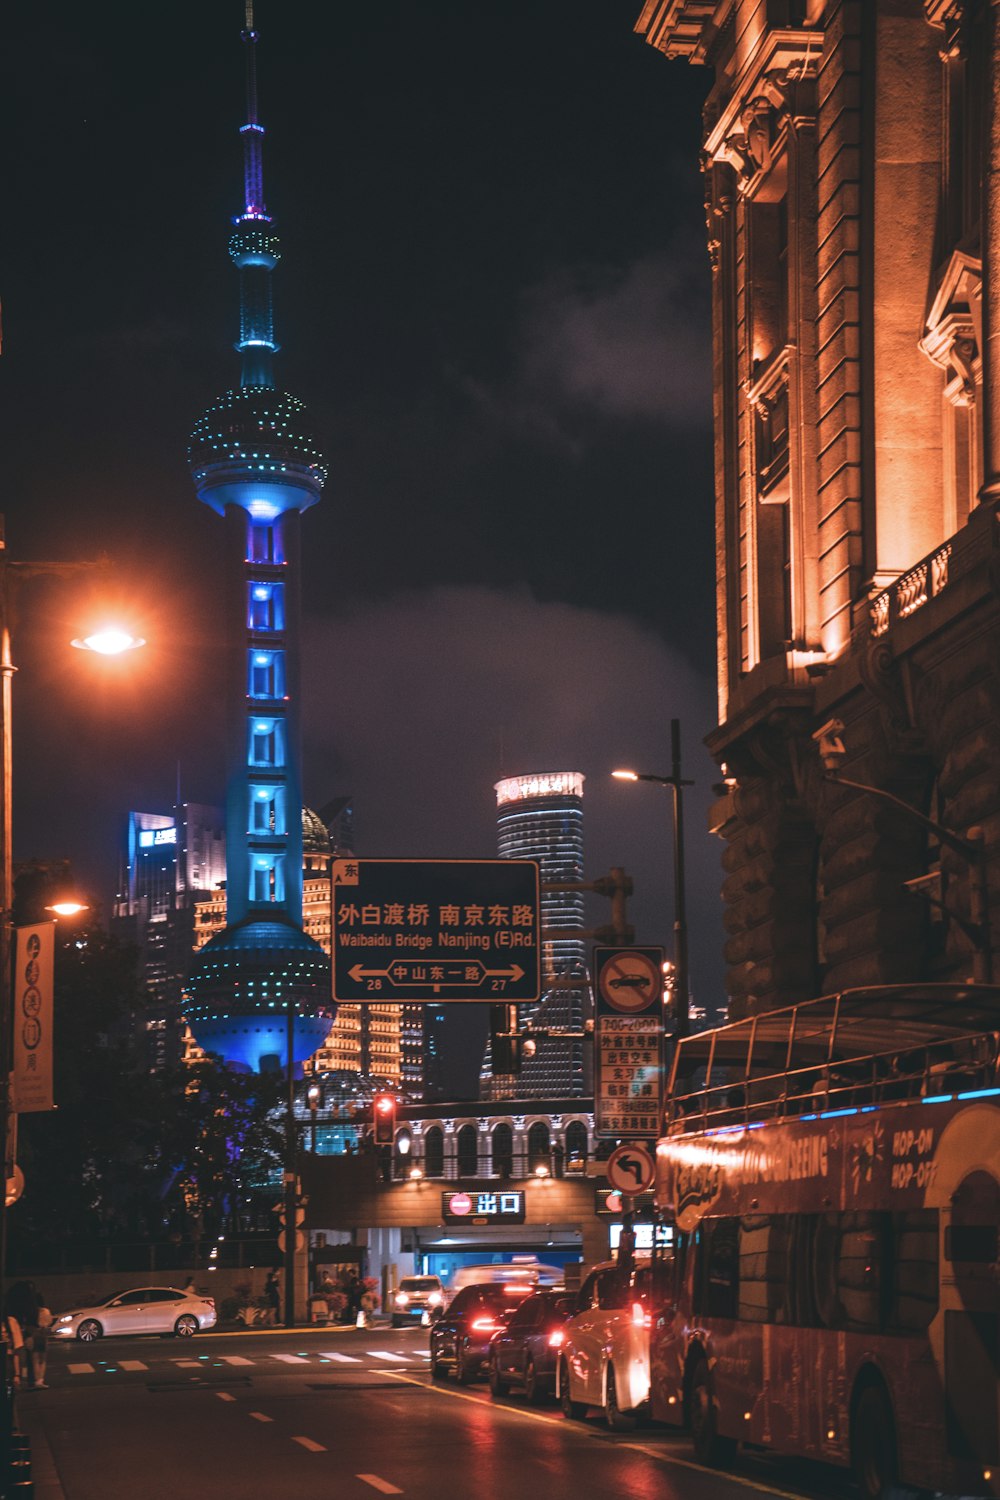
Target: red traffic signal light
(384, 1114)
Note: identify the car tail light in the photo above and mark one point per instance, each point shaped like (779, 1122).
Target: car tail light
(557, 1338)
(485, 1325)
(517, 1289)
(211, 1302)
(640, 1317)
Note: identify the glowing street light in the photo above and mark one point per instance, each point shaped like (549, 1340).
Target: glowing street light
(109, 642)
(68, 908)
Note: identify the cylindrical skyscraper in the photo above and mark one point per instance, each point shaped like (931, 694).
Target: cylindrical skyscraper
(255, 461)
(541, 817)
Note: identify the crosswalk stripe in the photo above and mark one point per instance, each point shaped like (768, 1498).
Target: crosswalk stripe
(308, 1443)
(81, 1369)
(187, 1364)
(132, 1364)
(225, 1396)
(347, 1359)
(387, 1354)
(382, 1485)
(291, 1359)
(236, 1359)
(259, 1416)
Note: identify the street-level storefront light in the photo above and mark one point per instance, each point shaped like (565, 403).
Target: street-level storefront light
(541, 1173)
(109, 642)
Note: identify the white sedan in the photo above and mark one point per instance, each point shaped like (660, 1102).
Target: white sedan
(147, 1309)
(604, 1359)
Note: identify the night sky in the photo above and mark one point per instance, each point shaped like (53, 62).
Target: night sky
(494, 298)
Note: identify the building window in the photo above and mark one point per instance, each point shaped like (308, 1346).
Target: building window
(265, 606)
(266, 674)
(434, 1151)
(265, 545)
(467, 1148)
(576, 1141)
(267, 883)
(267, 809)
(267, 743)
(539, 1146)
(502, 1141)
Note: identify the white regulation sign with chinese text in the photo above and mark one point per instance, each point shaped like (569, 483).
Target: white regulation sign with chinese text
(628, 1042)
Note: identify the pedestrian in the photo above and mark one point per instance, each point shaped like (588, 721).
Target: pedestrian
(355, 1288)
(40, 1345)
(272, 1299)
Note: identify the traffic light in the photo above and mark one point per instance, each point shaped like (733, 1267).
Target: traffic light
(384, 1115)
(505, 1044)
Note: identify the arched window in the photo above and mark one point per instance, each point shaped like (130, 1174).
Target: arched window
(468, 1151)
(434, 1151)
(502, 1142)
(539, 1146)
(576, 1141)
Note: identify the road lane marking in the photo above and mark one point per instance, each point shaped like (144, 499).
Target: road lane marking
(225, 1396)
(595, 1433)
(386, 1354)
(347, 1359)
(259, 1416)
(132, 1364)
(188, 1364)
(236, 1359)
(382, 1485)
(81, 1369)
(291, 1359)
(308, 1443)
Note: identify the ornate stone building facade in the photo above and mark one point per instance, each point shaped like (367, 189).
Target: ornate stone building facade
(852, 185)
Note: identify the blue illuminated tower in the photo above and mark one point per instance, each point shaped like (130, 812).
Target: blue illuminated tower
(255, 461)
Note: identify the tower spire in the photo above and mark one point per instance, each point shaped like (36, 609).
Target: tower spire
(254, 249)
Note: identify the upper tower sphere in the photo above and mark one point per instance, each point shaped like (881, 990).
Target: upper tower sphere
(254, 447)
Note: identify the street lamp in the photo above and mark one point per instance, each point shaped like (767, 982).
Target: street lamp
(112, 643)
(314, 1095)
(676, 783)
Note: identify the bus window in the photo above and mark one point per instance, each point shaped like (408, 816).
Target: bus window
(764, 1284)
(717, 1268)
(859, 1272)
(914, 1271)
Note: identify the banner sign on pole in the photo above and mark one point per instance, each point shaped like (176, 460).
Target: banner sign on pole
(628, 1042)
(33, 987)
(433, 930)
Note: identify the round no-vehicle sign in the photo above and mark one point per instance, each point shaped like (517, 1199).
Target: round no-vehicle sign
(631, 1169)
(631, 979)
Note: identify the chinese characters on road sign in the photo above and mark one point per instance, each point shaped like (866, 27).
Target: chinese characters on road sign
(502, 1207)
(628, 1041)
(435, 930)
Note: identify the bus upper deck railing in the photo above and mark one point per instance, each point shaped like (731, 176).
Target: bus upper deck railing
(817, 1057)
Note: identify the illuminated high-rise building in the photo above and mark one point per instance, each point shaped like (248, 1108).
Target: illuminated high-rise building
(540, 817)
(255, 461)
(168, 861)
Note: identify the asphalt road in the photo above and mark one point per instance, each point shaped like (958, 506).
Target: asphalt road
(340, 1413)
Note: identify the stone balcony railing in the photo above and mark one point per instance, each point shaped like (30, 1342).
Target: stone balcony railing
(944, 568)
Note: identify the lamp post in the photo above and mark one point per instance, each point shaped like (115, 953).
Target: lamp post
(111, 643)
(676, 783)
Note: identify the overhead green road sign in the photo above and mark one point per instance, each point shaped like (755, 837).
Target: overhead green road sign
(432, 930)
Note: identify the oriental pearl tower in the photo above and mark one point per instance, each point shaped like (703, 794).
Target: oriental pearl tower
(255, 461)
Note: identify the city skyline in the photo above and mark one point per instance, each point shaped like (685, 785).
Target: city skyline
(518, 377)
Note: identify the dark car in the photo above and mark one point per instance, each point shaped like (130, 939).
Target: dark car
(460, 1339)
(525, 1351)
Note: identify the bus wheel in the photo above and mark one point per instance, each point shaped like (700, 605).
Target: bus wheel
(709, 1448)
(873, 1443)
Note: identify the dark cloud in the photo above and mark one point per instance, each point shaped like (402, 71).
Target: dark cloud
(627, 343)
(416, 706)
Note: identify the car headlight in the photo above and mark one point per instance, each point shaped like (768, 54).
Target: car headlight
(434, 1299)
(63, 1319)
(402, 1298)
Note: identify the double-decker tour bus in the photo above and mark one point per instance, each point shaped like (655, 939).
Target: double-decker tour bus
(833, 1170)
